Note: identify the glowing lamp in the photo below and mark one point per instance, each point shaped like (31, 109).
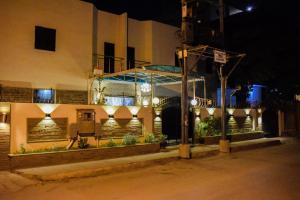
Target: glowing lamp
(247, 111)
(194, 102)
(155, 100)
(145, 102)
(47, 108)
(146, 87)
(230, 111)
(210, 111)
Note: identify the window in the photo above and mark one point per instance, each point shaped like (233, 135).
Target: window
(109, 57)
(43, 96)
(45, 38)
(130, 57)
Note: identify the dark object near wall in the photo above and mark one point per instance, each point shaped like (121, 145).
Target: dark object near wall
(45, 38)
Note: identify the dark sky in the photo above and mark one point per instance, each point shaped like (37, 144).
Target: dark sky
(167, 11)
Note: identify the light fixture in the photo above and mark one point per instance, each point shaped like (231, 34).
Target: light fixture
(3, 117)
(230, 111)
(47, 108)
(145, 87)
(210, 111)
(155, 100)
(157, 112)
(194, 102)
(247, 111)
(134, 116)
(110, 110)
(249, 8)
(259, 110)
(48, 116)
(111, 116)
(134, 109)
(145, 102)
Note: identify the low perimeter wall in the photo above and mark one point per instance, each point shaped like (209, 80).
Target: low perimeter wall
(73, 156)
(233, 138)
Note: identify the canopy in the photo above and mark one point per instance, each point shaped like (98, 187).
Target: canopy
(157, 74)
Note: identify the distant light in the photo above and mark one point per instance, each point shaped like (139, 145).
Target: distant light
(249, 8)
(145, 102)
(194, 102)
(155, 100)
(146, 87)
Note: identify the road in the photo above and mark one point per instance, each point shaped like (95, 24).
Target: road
(268, 173)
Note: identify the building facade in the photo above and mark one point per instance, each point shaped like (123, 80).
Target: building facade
(56, 44)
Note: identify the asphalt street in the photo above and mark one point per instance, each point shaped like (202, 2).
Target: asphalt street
(267, 173)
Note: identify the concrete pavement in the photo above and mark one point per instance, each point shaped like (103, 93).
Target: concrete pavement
(96, 168)
(267, 173)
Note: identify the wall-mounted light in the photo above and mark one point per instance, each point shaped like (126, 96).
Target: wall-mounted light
(197, 112)
(134, 109)
(3, 117)
(111, 116)
(210, 111)
(230, 111)
(47, 108)
(145, 102)
(259, 110)
(110, 110)
(247, 111)
(48, 116)
(134, 116)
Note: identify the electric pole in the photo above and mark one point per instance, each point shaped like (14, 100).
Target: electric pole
(224, 143)
(186, 30)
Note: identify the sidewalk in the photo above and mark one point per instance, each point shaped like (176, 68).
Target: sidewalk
(101, 167)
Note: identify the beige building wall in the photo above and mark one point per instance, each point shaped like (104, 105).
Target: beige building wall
(21, 111)
(22, 65)
(78, 25)
(153, 41)
(164, 43)
(112, 28)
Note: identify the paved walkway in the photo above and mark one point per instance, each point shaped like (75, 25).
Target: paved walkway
(100, 167)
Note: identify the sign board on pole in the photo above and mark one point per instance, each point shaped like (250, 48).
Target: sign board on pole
(220, 56)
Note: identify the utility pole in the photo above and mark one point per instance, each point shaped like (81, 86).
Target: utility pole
(224, 143)
(184, 148)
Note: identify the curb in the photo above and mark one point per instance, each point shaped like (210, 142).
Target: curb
(236, 148)
(130, 166)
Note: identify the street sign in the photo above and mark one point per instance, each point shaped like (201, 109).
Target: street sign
(220, 56)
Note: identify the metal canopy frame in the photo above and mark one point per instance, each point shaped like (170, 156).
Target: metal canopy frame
(156, 74)
(233, 58)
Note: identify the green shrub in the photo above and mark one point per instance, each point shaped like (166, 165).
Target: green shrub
(150, 138)
(129, 139)
(22, 149)
(208, 127)
(162, 138)
(111, 143)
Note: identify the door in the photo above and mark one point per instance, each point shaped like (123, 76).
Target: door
(109, 57)
(130, 58)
